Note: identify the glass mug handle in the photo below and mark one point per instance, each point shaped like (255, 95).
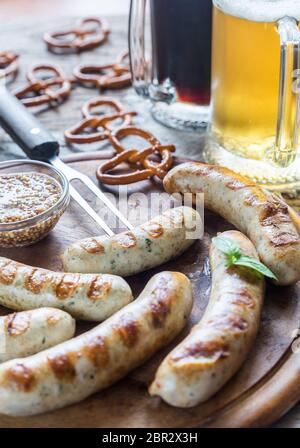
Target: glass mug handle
(141, 76)
(142, 70)
(288, 119)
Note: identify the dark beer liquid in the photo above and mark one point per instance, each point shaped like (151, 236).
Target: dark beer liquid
(181, 41)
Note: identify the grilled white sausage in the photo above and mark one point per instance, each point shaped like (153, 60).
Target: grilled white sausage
(271, 225)
(216, 347)
(127, 253)
(93, 361)
(29, 332)
(88, 297)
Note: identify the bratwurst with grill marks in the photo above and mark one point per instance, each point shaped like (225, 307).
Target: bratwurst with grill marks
(84, 296)
(75, 369)
(272, 226)
(216, 347)
(148, 245)
(29, 332)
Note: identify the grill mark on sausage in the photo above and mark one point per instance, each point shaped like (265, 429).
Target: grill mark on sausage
(125, 239)
(229, 323)
(176, 218)
(242, 298)
(67, 285)
(255, 197)
(209, 170)
(213, 350)
(155, 230)
(96, 351)
(159, 310)
(20, 377)
(283, 238)
(237, 184)
(128, 330)
(160, 305)
(8, 272)
(36, 279)
(53, 318)
(99, 289)
(62, 367)
(202, 170)
(92, 246)
(274, 214)
(17, 323)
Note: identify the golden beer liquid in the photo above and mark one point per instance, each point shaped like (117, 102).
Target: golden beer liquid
(245, 84)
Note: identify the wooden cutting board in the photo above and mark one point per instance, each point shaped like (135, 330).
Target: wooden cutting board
(263, 390)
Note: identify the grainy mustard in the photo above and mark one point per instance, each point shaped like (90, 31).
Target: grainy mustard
(25, 195)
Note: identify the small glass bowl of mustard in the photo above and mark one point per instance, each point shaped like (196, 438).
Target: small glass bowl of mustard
(33, 197)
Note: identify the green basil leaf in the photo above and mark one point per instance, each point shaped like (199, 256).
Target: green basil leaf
(234, 257)
(226, 246)
(256, 266)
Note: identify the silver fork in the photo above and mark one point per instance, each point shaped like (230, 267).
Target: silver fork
(72, 174)
(39, 144)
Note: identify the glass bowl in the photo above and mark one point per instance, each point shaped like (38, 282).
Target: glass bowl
(29, 231)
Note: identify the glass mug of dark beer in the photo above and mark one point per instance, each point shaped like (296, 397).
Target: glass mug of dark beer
(175, 74)
(255, 124)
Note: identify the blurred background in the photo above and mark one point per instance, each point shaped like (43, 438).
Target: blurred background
(14, 8)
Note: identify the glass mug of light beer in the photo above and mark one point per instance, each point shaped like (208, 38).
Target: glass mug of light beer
(255, 90)
(170, 57)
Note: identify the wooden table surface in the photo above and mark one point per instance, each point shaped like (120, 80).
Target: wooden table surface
(22, 32)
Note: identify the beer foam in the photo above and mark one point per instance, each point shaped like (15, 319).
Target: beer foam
(261, 10)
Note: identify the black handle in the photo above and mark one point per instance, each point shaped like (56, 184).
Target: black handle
(25, 129)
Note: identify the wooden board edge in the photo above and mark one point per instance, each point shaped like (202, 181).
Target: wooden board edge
(267, 401)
